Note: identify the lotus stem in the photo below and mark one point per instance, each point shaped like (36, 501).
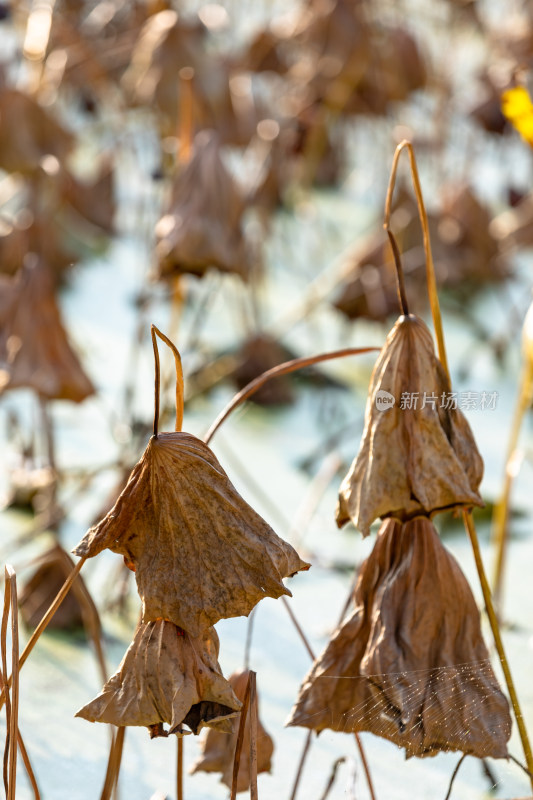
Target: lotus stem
(430, 267)
(26, 759)
(399, 273)
(186, 113)
(253, 712)
(299, 771)
(240, 739)
(366, 768)
(501, 512)
(179, 379)
(12, 704)
(280, 369)
(179, 770)
(113, 764)
(454, 775)
(493, 620)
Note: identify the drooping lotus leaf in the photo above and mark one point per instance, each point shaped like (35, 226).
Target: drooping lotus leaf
(218, 749)
(409, 663)
(199, 551)
(203, 225)
(413, 460)
(34, 347)
(167, 676)
(36, 135)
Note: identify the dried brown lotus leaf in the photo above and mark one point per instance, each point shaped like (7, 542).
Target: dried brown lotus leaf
(166, 43)
(34, 348)
(202, 227)
(32, 135)
(39, 591)
(409, 664)
(200, 552)
(167, 676)
(412, 460)
(218, 749)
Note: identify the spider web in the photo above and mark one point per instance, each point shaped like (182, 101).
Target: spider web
(425, 711)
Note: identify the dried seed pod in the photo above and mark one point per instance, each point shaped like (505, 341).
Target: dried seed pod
(218, 749)
(413, 460)
(409, 664)
(202, 228)
(34, 348)
(167, 676)
(199, 551)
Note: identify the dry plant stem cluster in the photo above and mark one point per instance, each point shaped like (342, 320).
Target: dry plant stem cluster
(218, 749)
(14, 741)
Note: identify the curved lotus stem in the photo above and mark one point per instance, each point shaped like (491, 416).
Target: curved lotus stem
(179, 379)
(275, 372)
(430, 268)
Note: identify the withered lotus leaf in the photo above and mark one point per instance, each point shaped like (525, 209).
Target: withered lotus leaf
(167, 676)
(409, 663)
(413, 460)
(34, 347)
(199, 551)
(39, 591)
(35, 135)
(218, 749)
(202, 227)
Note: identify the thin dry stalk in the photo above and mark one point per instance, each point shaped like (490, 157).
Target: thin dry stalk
(113, 764)
(186, 117)
(27, 764)
(254, 485)
(501, 511)
(179, 769)
(430, 269)
(281, 369)
(331, 781)
(314, 494)
(515, 761)
(3, 647)
(32, 641)
(48, 428)
(240, 739)
(454, 775)
(254, 715)
(365, 765)
(349, 597)
(24, 753)
(299, 771)
(249, 634)
(10, 753)
(495, 628)
(298, 627)
(91, 618)
(402, 296)
(179, 380)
